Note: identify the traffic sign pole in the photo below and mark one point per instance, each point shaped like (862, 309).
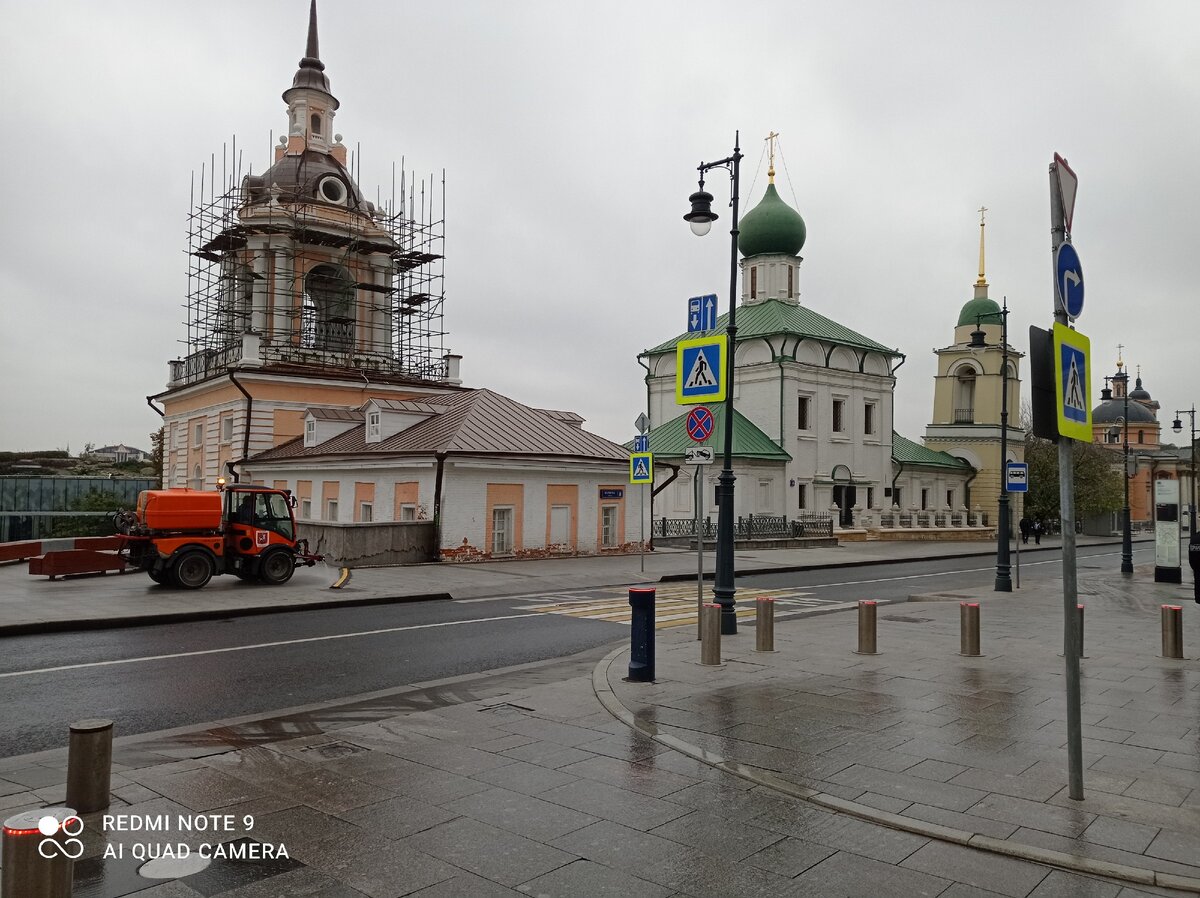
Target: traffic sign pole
(1066, 501)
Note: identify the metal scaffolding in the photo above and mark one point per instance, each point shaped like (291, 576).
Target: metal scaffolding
(356, 286)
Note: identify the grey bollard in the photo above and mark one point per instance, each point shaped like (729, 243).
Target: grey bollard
(866, 628)
(89, 765)
(1172, 631)
(710, 634)
(28, 873)
(968, 620)
(764, 633)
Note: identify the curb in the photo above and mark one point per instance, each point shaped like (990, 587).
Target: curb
(178, 617)
(767, 779)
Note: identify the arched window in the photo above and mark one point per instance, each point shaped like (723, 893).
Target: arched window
(328, 309)
(1141, 436)
(316, 124)
(964, 396)
(197, 478)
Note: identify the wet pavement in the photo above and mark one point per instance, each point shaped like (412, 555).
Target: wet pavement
(808, 771)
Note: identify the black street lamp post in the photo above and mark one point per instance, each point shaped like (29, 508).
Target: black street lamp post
(1126, 514)
(1177, 426)
(701, 218)
(1003, 581)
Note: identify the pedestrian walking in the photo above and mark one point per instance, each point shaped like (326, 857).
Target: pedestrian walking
(1038, 529)
(1023, 525)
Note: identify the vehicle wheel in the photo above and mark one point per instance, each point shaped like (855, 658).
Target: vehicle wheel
(158, 576)
(276, 567)
(192, 570)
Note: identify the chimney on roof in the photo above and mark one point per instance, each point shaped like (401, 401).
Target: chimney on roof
(452, 370)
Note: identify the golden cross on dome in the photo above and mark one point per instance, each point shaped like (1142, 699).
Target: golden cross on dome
(771, 138)
(1120, 356)
(982, 282)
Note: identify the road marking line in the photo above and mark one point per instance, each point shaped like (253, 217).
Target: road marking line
(261, 645)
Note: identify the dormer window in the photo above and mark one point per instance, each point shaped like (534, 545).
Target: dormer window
(310, 432)
(373, 427)
(316, 124)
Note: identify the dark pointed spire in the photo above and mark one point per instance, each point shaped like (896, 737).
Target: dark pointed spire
(312, 71)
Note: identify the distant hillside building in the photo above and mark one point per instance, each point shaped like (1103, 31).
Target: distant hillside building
(119, 454)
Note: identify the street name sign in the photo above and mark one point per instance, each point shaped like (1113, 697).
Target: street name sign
(700, 370)
(699, 424)
(1017, 477)
(699, 455)
(1068, 280)
(641, 443)
(641, 467)
(702, 313)
(1072, 383)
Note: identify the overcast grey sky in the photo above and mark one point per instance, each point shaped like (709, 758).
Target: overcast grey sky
(570, 133)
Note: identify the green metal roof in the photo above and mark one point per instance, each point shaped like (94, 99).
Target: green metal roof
(909, 453)
(980, 310)
(670, 439)
(774, 317)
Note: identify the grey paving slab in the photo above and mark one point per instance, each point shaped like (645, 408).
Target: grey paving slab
(467, 885)
(1061, 884)
(710, 833)
(790, 857)
(614, 803)
(584, 877)
(982, 869)
(398, 818)
(531, 779)
(488, 851)
(637, 777)
(542, 821)
(853, 875)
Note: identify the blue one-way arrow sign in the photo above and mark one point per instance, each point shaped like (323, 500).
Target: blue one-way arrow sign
(702, 313)
(1069, 280)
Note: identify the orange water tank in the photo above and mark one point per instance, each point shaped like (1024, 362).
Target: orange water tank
(179, 509)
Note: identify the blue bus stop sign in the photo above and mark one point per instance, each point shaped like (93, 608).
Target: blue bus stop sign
(1068, 281)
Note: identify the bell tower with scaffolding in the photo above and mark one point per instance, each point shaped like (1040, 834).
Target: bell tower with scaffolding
(301, 292)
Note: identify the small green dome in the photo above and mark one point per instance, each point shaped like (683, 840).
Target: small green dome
(771, 227)
(979, 310)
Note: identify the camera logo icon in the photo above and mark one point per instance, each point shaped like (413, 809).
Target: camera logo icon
(50, 847)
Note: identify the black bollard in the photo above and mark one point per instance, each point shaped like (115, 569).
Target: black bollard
(641, 637)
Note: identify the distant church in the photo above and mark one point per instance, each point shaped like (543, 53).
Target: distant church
(813, 429)
(315, 364)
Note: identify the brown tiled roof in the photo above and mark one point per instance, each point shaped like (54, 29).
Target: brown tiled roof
(478, 422)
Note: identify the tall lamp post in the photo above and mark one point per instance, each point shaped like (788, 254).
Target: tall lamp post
(1003, 581)
(1177, 426)
(1126, 514)
(701, 218)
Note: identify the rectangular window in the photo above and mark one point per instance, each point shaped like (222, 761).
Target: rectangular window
(839, 416)
(924, 499)
(306, 508)
(366, 512)
(803, 502)
(560, 524)
(753, 282)
(408, 512)
(227, 429)
(502, 527)
(331, 510)
(764, 495)
(791, 282)
(869, 418)
(870, 497)
(310, 432)
(896, 497)
(608, 527)
(803, 409)
(950, 499)
(198, 434)
(372, 426)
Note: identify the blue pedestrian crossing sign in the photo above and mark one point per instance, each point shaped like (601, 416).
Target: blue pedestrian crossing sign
(700, 370)
(702, 313)
(1072, 383)
(641, 467)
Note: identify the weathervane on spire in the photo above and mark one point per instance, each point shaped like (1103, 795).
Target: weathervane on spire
(771, 138)
(982, 282)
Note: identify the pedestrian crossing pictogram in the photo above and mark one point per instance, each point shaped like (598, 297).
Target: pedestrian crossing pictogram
(1073, 398)
(700, 370)
(701, 374)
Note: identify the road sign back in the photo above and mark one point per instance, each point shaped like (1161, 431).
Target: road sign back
(700, 370)
(1072, 383)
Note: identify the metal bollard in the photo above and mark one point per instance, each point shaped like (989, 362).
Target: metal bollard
(710, 634)
(28, 873)
(89, 765)
(968, 623)
(764, 633)
(866, 628)
(1172, 631)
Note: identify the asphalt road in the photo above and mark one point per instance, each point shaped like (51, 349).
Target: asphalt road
(158, 677)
